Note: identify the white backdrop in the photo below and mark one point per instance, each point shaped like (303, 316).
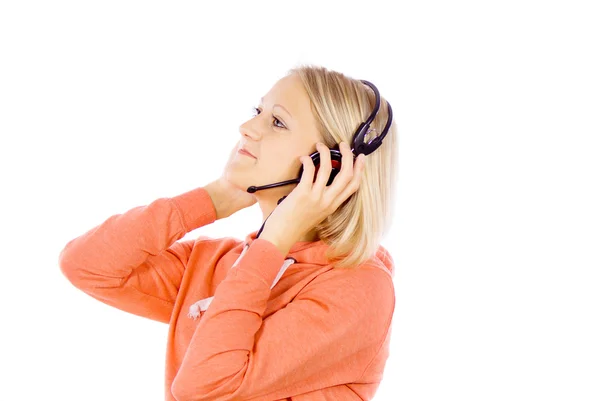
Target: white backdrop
(109, 105)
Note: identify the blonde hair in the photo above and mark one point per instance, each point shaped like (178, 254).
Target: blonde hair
(339, 104)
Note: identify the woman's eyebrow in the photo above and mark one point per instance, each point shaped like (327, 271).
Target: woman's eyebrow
(277, 104)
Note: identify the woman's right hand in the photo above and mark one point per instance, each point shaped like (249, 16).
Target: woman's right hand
(226, 197)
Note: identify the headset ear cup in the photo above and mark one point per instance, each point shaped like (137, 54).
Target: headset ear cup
(336, 164)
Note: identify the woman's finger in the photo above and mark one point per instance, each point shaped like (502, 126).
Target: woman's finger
(308, 173)
(324, 168)
(352, 186)
(346, 173)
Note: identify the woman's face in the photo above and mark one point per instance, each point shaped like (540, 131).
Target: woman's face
(282, 130)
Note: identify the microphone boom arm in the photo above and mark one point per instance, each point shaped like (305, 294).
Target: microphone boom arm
(253, 188)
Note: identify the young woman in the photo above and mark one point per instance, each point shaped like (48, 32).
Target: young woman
(302, 308)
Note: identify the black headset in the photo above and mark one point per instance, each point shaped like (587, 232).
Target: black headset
(358, 147)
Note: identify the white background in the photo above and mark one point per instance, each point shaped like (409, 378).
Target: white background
(109, 105)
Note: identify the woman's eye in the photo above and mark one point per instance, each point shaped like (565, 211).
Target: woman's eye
(256, 111)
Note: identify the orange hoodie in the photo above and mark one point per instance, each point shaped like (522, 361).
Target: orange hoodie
(277, 328)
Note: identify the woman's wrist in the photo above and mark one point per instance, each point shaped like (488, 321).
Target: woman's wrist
(218, 199)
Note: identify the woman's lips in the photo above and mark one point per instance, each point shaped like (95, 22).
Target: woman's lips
(244, 152)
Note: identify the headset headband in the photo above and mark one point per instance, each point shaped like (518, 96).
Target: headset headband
(359, 145)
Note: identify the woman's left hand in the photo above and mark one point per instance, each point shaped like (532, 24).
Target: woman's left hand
(310, 203)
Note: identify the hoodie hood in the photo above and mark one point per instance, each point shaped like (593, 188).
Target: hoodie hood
(314, 253)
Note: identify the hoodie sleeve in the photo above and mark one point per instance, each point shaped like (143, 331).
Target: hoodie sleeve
(132, 260)
(308, 345)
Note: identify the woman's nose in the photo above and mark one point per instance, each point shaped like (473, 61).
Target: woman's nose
(248, 131)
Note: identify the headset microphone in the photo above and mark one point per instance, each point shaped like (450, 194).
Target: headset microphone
(357, 146)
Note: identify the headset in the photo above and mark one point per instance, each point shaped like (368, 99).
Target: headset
(358, 147)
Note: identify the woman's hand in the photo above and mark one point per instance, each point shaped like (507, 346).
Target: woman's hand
(310, 203)
(226, 197)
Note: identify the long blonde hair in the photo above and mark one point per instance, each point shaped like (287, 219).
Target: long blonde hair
(339, 104)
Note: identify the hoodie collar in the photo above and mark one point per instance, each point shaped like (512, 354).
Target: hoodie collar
(302, 251)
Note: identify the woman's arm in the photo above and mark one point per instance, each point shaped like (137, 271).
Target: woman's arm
(132, 260)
